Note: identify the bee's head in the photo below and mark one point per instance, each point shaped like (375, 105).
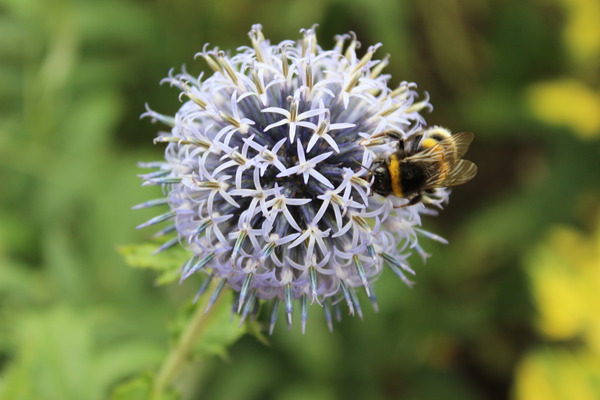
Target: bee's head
(380, 179)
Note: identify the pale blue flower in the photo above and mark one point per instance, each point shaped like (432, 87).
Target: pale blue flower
(263, 176)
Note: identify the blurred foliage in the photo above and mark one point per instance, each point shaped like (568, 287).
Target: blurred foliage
(503, 303)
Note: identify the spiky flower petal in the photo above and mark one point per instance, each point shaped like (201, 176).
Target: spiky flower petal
(263, 175)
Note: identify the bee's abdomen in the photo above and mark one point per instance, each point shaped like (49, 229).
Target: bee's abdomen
(412, 178)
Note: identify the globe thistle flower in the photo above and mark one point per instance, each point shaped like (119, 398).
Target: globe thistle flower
(264, 176)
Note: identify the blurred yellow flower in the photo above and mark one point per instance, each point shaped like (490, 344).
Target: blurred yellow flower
(582, 31)
(571, 101)
(565, 275)
(552, 374)
(565, 278)
(567, 102)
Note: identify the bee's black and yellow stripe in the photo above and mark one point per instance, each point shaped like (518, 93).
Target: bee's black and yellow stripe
(406, 178)
(394, 169)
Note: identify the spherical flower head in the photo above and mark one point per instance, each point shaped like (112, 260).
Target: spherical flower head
(266, 174)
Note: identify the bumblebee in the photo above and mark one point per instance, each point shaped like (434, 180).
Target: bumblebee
(424, 162)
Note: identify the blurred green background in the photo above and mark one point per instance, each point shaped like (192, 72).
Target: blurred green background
(509, 309)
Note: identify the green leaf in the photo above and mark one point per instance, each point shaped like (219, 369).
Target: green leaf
(256, 329)
(140, 388)
(168, 263)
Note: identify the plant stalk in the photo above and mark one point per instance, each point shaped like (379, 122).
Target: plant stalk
(179, 356)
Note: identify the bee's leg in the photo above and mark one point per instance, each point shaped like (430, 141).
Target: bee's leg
(397, 136)
(416, 143)
(394, 134)
(378, 137)
(414, 200)
(400, 142)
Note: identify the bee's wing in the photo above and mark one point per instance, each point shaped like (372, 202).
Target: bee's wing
(429, 155)
(454, 148)
(436, 179)
(429, 159)
(462, 172)
(462, 141)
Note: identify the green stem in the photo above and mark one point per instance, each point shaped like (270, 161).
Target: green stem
(179, 356)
